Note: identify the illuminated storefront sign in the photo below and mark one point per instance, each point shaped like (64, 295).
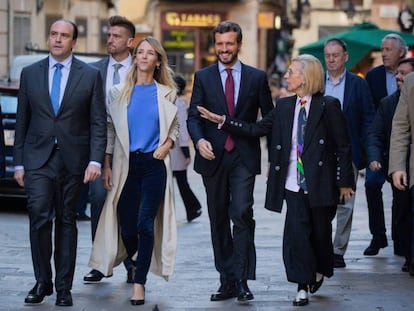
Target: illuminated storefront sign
(177, 19)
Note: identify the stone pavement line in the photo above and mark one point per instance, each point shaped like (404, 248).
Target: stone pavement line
(366, 284)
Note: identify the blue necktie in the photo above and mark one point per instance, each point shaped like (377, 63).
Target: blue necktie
(302, 118)
(55, 93)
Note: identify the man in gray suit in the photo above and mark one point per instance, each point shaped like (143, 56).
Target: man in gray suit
(60, 141)
(113, 69)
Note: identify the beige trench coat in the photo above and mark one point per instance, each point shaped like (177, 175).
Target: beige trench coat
(108, 249)
(402, 134)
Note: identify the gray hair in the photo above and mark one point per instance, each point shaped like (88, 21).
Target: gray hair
(400, 43)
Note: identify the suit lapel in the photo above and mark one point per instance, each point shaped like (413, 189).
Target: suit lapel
(75, 76)
(315, 114)
(44, 83)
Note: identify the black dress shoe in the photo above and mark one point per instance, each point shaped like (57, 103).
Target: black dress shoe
(226, 291)
(374, 247)
(243, 292)
(313, 288)
(93, 276)
(339, 261)
(38, 293)
(64, 298)
(194, 215)
(130, 274)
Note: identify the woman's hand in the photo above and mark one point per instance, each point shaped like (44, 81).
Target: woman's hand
(207, 114)
(162, 151)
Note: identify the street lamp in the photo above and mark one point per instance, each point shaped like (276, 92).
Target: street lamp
(350, 10)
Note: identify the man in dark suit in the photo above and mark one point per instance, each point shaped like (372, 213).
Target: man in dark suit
(356, 102)
(60, 141)
(382, 82)
(113, 69)
(229, 164)
(378, 156)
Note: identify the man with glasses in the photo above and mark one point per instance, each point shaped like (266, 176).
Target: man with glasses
(356, 102)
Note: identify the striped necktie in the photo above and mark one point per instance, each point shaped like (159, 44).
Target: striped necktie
(300, 137)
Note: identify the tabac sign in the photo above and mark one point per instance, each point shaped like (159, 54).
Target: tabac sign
(186, 19)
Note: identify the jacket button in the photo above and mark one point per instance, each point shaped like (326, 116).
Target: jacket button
(277, 168)
(321, 141)
(278, 147)
(320, 163)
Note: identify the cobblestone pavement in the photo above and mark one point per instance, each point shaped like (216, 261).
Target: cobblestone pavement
(366, 284)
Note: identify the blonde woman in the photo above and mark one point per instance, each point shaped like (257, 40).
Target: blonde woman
(142, 128)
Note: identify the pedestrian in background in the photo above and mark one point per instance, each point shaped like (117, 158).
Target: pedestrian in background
(2, 148)
(59, 143)
(180, 154)
(355, 97)
(113, 69)
(310, 164)
(229, 165)
(382, 82)
(142, 127)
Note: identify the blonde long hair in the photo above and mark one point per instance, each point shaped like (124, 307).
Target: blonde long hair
(163, 74)
(312, 72)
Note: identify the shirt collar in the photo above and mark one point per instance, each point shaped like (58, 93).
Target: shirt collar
(235, 67)
(126, 62)
(66, 63)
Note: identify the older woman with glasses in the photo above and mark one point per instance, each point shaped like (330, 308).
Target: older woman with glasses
(310, 169)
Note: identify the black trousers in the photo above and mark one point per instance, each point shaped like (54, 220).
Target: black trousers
(230, 198)
(52, 195)
(401, 221)
(307, 239)
(191, 203)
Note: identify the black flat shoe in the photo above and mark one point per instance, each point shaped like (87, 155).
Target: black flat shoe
(64, 298)
(137, 302)
(301, 299)
(313, 288)
(38, 293)
(93, 276)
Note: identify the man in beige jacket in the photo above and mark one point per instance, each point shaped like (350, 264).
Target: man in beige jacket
(402, 150)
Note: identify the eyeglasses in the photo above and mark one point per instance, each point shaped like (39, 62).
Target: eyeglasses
(290, 72)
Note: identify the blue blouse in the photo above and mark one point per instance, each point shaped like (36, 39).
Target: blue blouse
(143, 118)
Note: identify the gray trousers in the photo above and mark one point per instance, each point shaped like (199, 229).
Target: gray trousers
(343, 217)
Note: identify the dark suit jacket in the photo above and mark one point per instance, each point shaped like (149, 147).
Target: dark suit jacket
(102, 66)
(379, 136)
(2, 148)
(359, 112)
(79, 127)
(377, 83)
(208, 92)
(326, 156)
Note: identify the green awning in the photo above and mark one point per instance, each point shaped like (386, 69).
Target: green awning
(360, 39)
